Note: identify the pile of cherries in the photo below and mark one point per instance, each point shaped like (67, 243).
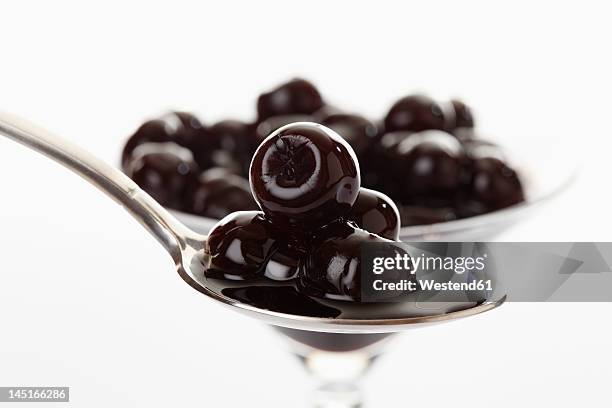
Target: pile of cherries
(424, 154)
(306, 240)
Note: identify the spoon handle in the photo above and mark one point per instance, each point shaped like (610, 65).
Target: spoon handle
(160, 223)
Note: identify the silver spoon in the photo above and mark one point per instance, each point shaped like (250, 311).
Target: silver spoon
(186, 247)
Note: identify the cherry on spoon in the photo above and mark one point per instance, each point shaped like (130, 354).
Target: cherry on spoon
(186, 247)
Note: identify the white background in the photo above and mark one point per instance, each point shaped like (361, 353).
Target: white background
(88, 300)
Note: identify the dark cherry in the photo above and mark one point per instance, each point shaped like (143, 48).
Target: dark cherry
(463, 114)
(179, 127)
(238, 246)
(246, 246)
(492, 184)
(428, 163)
(376, 163)
(416, 113)
(376, 213)
(284, 258)
(228, 144)
(152, 131)
(164, 170)
(190, 123)
(419, 215)
(358, 131)
(495, 184)
(370, 176)
(297, 96)
(325, 112)
(217, 192)
(387, 160)
(270, 125)
(304, 176)
(332, 269)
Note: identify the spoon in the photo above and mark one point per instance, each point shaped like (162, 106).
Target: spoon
(186, 247)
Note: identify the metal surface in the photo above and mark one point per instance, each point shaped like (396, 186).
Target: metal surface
(185, 246)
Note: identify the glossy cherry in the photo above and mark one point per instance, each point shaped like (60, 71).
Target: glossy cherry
(358, 131)
(428, 163)
(164, 170)
(270, 125)
(179, 127)
(376, 213)
(228, 144)
(464, 118)
(238, 246)
(303, 176)
(217, 192)
(416, 113)
(495, 184)
(246, 246)
(332, 269)
(297, 96)
(284, 258)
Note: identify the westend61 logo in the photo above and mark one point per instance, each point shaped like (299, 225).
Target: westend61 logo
(432, 272)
